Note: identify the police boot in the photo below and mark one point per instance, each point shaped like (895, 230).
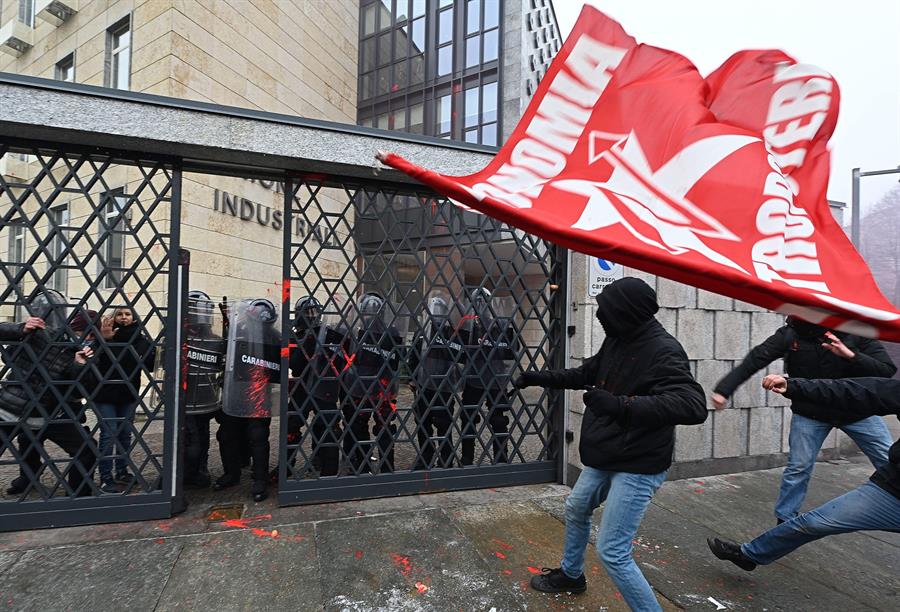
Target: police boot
(226, 481)
(259, 490)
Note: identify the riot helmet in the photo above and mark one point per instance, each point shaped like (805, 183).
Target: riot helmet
(50, 306)
(438, 306)
(371, 308)
(200, 308)
(307, 313)
(261, 310)
(481, 303)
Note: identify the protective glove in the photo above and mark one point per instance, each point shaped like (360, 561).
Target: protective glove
(602, 402)
(530, 379)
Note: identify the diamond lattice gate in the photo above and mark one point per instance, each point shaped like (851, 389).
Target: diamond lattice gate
(406, 320)
(87, 239)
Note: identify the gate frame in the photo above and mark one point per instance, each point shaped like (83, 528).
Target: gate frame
(168, 500)
(259, 144)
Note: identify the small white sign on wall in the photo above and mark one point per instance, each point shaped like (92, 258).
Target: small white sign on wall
(602, 272)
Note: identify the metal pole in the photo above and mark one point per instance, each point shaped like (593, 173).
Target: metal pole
(854, 212)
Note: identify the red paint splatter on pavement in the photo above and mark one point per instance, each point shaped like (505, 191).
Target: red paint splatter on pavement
(698, 490)
(421, 588)
(618, 595)
(499, 555)
(506, 572)
(358, 554)
(503, 544)
(160, 541)
(402, 563)
(492, 490)
(165, 526)
(534, 570)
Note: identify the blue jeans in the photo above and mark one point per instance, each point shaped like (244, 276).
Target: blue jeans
(627, 497)
(868, 508)
(115, 430)
(806, 438)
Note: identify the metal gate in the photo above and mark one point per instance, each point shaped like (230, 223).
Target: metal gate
(376, 399)
(365, 408)
(87, 237)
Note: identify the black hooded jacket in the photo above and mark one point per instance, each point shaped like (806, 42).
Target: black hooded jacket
(800, 344)
(121, 362)
(862, 397)
(647, 370)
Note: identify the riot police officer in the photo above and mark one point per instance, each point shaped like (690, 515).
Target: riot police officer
(436, 377)
(316, 365)
(490, 344)
(371, 386)
(203, 397)
(253, 364)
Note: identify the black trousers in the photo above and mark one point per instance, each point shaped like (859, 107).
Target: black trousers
(322, 419)
(74, 438)
(358, 446)
(234, 434)
(196, 444)
(498, 405)
(434, 418)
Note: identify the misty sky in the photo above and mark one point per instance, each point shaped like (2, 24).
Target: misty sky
(858, 42)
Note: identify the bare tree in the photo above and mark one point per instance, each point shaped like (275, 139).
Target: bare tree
(880, 237)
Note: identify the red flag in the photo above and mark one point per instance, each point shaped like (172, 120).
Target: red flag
(619, 156)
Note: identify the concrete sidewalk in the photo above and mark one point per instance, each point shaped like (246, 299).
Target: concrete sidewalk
(473, 550)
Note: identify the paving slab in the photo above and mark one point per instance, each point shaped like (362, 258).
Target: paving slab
(7, 559)
(675, 559)
(118, 576)
(246, 568)
(518, 539)
(408, 561)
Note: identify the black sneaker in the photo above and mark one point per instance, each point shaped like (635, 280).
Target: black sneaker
(110, 486)
(556, 581)
(200, 480)
(125, 478)
(729, 551)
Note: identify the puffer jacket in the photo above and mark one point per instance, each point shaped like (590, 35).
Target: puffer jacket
(24, 382)
(805, 357)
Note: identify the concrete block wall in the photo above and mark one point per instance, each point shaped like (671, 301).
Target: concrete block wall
(716, 332)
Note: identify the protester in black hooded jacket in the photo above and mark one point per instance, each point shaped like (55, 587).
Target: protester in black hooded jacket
(127, 353)
(812, 351)
(640, 388)
(874, 506)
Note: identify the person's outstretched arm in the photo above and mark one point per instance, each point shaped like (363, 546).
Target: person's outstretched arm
(774, 347)
(571, 378)
(860, 396)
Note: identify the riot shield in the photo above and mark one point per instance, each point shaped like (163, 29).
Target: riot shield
(50, 306)
(320, 359)
(253, 364)
(489, 337)
(205, 355)
(376, 341)
(439, 347)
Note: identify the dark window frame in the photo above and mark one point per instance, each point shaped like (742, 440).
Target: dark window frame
(122, 25)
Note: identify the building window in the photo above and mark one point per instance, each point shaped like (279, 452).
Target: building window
(16, 253)
(417, 60)
(59, 222)
(113, 238)
(26, 12)
(118, 45)
(65, 68)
